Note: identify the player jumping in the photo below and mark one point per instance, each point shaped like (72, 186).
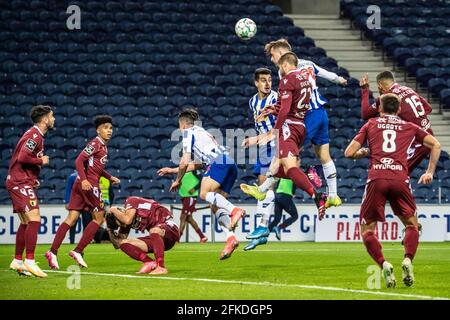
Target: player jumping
(413, 108)
(144, 214)
(22, 181)
(218, 179)
(316, 119)
(294, 97)
(86, 195)
(388, 138)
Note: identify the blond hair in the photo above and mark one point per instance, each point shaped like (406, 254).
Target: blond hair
(277, 44)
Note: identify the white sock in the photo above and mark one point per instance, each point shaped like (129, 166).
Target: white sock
(265, 208)
(329, 170)
(266, 185)
(224, 218)
(18, 261)
(220, 201)
(29, 261)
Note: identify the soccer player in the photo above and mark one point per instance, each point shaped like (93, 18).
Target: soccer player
(219, 176)
(388, 138)
(413, 108)
(283, 201)
(294, 96)
(21, 183)
(144, 214)
(86, 195)
(188, 192)
(316, 119)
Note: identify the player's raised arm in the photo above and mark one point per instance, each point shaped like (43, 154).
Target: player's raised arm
(367, 110)
(331, 76)
(354, 149)
(431, 142)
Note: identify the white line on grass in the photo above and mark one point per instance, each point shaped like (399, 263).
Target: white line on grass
(378, 293)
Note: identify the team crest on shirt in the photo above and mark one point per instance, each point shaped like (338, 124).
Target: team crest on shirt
(31, 144)
(89, 149)
(285, 81)
(35, 135)
(33, 203)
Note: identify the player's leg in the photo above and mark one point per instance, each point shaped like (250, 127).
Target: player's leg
(31, 235)
(403, 205)
(329, 170)
(98, 216)
(183, 217)
(278, 213)
(287, 203)
(193, 223)
(17, 263)
(137, 249)
(372, 211)
(157, 246)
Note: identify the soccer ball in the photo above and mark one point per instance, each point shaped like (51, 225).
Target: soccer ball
(245, 28)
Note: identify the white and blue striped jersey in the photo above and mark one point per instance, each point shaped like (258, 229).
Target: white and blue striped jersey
(257, 105)
(311, 70)
(202, 144)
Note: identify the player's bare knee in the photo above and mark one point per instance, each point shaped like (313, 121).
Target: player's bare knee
(157, 230)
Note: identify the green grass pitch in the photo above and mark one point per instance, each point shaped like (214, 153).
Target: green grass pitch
(274, 271)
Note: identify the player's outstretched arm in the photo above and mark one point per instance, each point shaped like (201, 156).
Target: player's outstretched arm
(331, 76)
(182, 169)
(431, 142)
(191, 167)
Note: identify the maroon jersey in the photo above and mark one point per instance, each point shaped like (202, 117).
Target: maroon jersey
(25, 163)
(389, 138)
(91, 161)
(149, 213)
(294, 92)
(413, 107)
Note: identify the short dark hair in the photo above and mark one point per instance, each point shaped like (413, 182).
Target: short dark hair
(385, 75)
(261, 71)
(101, 119)
(189, 115)
(390, 103)
(111, 221)
(37, 112)
(288, 57)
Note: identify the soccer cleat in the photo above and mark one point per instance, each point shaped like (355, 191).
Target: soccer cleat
(34, 269)
(232, 244)
(78, 258)
(258, 233)
(236, 215)
(148, 267)
(407, 271)
(320, 199)
(253, 191)
(204, 239)
(388, 275)
(333, 202)
(159, 270)
(313, 176)
(17, 265)
(52, 260)
(255, 242)
(277, 232)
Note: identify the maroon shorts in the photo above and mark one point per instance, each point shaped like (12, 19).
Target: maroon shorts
(23, 197)
(188, 205)
(416, 156)
(85, 201)
(171, 236)
(397, 192)
(290, 139)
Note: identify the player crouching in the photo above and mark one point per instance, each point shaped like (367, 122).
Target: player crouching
(143, 214)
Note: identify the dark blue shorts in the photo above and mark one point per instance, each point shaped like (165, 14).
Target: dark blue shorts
(224, 173)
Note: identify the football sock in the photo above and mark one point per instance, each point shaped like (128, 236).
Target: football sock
(31, 235)
(219, 200)
(229, 234)
(198, 231)
(411, 241)
(329, 170)
(157, 248)
(301, 180)
(373, 247)
(134, 252)
(59, 237)
(224, 218)
(269, 182)
(266, 208)
(88, 235)
(20, 241)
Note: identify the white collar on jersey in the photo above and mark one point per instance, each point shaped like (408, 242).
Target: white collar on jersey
(100, 139)
(39, 130)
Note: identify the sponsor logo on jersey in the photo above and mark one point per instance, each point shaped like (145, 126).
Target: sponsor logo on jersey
(31, 144)
(33, 203)
(387, 160)
(104, 159)
(34, 135)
